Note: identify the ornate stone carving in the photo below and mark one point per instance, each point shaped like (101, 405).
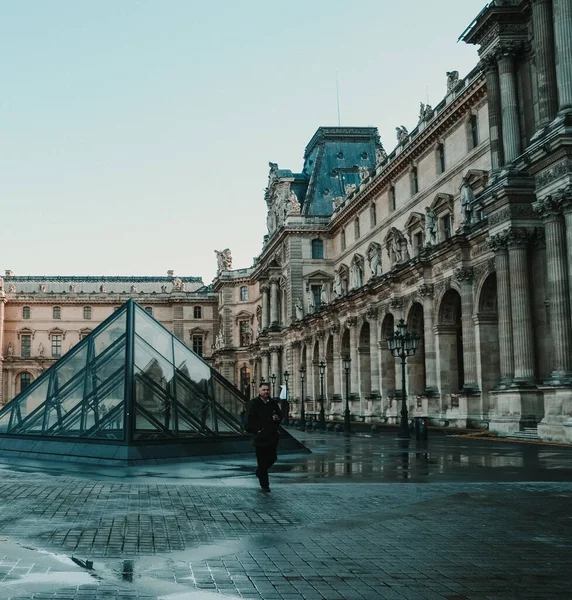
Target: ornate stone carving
(335, 328)
(498, 242)
(337, 201)
(548, 208)
(380, 156)
(275, 349)
(351, 321)
(464, 274)
(12, 289)
(374, 259)
(223, 260)
(560, 170)
(293, 207)
(517, 237)
(350, 188)
(452, 80)
(372, 313)
(479, 249)
(402, 134)
(363, 174)
(396, 303)
(72, 288)
(43, 288)
(265, 352)
(426, 290)
(426, 112)
(431, 232)
(467, 201)
(516, 211)
(296, 344)
(178, 284)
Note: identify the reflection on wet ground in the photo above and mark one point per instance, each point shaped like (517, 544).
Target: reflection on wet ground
(361, 458)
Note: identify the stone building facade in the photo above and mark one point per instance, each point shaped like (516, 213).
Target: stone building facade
(464, 231)
(41, 318)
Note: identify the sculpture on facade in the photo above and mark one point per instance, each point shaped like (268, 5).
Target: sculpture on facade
(133, 289)
(219, 342)
(356, 274)
(350, 188)
(10, 349)
(467, 199)
(337, 201)
(380, 156)
(374, 259)
(272, 172)
(178, 284)
(299, 309)
(12, 289)
(324, 297)
(163, 289)
(43, 288)
(224, 260)
(397, 247)
(103, 288)
(430, 227)
(452, 80)
(41, 350)
(425, 112)
(402, 134)
(310, 298)
(72, 288)
(337, 284)
(293, 207)
(363, 174)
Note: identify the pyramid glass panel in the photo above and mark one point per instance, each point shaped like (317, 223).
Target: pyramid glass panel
(128, 381)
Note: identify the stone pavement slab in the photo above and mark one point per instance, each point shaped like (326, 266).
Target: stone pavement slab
(453, 519)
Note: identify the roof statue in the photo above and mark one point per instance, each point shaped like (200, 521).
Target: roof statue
(224, 260)
(363, 174)
(402, 134)
(452, 80)
(380, 156)
(293, 207)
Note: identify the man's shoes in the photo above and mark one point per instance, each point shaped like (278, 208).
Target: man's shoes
(265, 488)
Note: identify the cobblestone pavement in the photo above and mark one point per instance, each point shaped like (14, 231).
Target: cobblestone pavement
(362, 518)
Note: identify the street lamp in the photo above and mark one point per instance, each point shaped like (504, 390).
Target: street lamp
(285, 405)
(347, 416)
(322, 369)
(403, 344)
(302, 409)
(273, 380)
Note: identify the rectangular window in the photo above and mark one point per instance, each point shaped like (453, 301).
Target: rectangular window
(474, 123)
(357, 228)
(26, 312)
(244, 293)
(343, 239)
(25, 381)
(56, 346)
(57, 312)
(373, 215)
(441, 158)
(317, 249)
(414, 181)
(317, 296)
(418, 241)
(447, 226)
(26, 346)
(197, 312)
(392, 199)
(87, 313)
(198, 344)
(244, 331)
(177, 312)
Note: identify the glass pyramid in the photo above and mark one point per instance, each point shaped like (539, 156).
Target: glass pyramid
(129, 381)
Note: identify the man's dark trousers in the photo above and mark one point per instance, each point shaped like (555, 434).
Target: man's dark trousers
(265, 457)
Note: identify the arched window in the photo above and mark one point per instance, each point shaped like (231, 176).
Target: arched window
(317, 248)
(25, 380)
(197, 312)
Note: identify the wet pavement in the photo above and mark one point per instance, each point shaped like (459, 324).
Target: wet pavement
(363, 517)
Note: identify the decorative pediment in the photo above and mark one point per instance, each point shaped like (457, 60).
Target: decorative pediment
(26, 331)
(244, 315)
(415, 220)
(57, 331)
(442, 202)
(477, 179)
(318, 276)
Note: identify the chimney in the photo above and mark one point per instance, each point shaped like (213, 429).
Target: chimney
(170, 273)
(9, 273)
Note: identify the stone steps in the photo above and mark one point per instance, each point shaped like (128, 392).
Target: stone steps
(528, 433)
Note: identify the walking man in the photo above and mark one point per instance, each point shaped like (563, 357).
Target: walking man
(263, 419)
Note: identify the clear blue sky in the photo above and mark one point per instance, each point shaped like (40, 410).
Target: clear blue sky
(135, 135)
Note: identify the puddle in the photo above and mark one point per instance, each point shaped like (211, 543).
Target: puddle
(61, 578)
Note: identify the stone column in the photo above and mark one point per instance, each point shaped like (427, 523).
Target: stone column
(464, 276)
(275, 367)
(490, 68)
(522, 333)
(265, 306)
(509, 104)
(498, 244)
(265, 355)
(426, 293)
(563, 50)
(296, 386)
(338, 380)
(274, 302)
(550, 210)
(351, 323)
(371, 315)
(309, 367)
(544, 59)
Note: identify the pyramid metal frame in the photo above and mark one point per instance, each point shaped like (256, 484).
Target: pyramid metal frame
(128, 392)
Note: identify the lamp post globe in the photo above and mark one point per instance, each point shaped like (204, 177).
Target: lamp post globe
(322, 370)
(302, 409)
(401, 345)
(347, 415)
(273, 381)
